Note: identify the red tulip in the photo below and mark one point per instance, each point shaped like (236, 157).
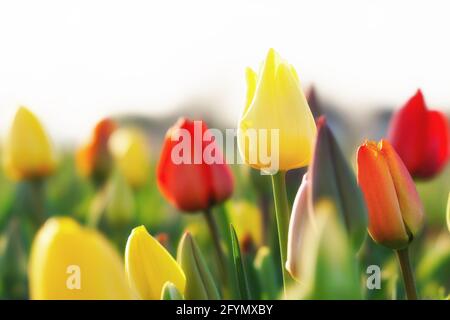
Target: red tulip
(395, 209)
(421, 137)
(192, 185)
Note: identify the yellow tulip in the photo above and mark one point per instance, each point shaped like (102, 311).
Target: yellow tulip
(149, 266)
(275, 100)
(28, 151)
(130, 150)
(69, 261)
(246, 218)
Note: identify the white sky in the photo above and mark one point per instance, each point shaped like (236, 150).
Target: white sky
(74, 61)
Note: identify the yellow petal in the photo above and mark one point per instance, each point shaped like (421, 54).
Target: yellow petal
(251, 78)
(149, 266)
(68, 261)
(28, 152)
(130, 150)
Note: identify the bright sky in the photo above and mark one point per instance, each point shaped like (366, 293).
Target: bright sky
(74, 61)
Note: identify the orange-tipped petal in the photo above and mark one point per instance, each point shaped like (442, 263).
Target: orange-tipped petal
(410, 205)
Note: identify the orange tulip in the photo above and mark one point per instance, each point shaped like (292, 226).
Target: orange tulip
(395, 209)
(93, 158)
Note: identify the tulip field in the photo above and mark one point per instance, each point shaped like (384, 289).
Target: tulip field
(302, 210)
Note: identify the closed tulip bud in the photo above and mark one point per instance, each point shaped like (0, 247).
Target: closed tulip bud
(327, 263)
(71, 262)
(170, 292)
(247, 220)
(149, 266)
(332, 178)
(199, 281)
(275, 100)
(93, 158)
(120, 205)
(129, 147)
(28, 153)
(421, 137)
(395, 209)
(192, 184)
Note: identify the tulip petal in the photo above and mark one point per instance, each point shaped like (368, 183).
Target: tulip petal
(332, 178)
(410, 205)
(299, 220)
(149, 266)
(252, 78)
(68, 261)
(385, 219)
(410, 144)
(437, 149)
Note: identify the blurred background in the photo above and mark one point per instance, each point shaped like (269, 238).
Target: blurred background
(73, 62)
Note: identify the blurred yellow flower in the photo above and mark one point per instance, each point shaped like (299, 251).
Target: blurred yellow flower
(246, 218)
(275, 100)
(130, 150)
(149, 266)
(69, 261)
(28, 152)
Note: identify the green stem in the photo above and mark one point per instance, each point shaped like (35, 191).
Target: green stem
(282, 214)
(37, 201)
(407, 273)
(214, 230)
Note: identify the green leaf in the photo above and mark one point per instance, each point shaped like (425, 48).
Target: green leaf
(170, 292)
(239, 267)
(264, 265)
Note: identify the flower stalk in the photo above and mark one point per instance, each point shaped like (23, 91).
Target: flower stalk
(282, 217)
(407, 273)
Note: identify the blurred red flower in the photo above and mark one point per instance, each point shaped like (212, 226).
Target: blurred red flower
(421, 137)
(192, 185)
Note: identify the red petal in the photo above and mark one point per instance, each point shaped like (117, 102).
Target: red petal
(407, 132)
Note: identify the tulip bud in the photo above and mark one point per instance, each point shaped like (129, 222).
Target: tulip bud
(327, 263)
(199, 281)
(395, 209)
(130, 150)
(149, 266)
(332, 178)
(170, 292)
(275, 100)
(190, 185)
(247, 220)
(93, 158)
(68, 261)
(421, 137)
(28, 152)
